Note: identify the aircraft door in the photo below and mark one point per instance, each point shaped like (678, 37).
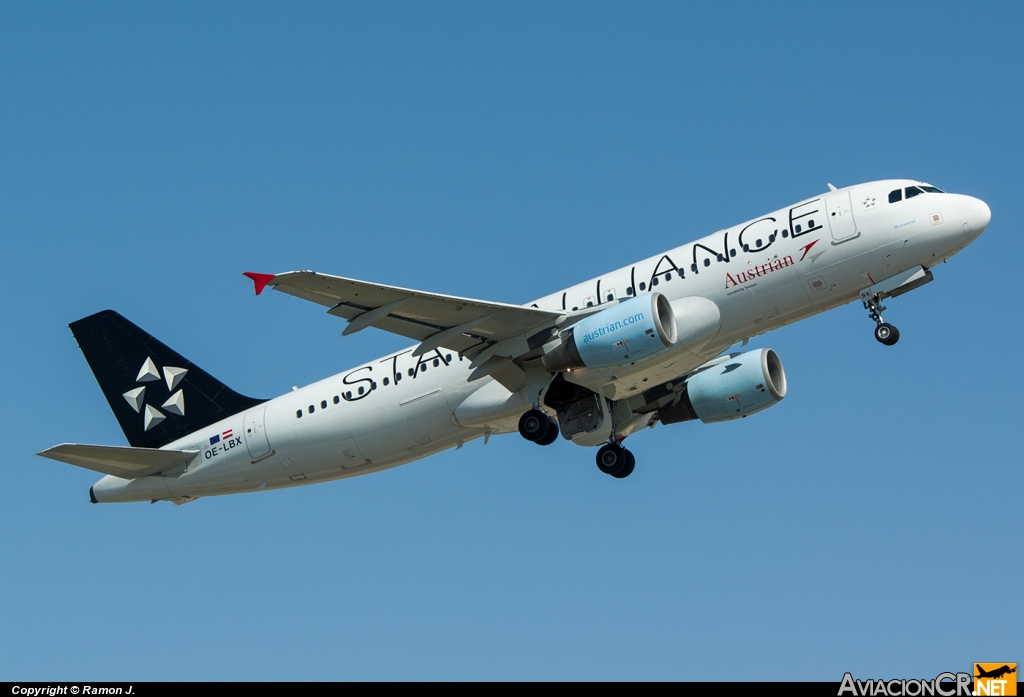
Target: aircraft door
(255, 434)
(840, 217)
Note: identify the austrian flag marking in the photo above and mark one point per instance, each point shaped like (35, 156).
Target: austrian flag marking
(221, 443)
(226, 435)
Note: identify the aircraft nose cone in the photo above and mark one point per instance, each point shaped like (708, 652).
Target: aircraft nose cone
(975, 215)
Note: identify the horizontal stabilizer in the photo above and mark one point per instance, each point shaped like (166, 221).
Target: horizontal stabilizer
(127, 463)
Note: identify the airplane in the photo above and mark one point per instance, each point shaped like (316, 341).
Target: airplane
(995, 673)
(594, 363)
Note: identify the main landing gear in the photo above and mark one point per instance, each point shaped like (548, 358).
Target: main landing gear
(538, 427)
(612, 458)
(884, 332)
(615, 460)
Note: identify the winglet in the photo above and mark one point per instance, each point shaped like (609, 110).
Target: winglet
(260, 280)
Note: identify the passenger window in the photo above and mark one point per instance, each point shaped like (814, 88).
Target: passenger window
(629, 291)
(437, 362)
(311, 408)
(655, 281)
(386, 382)
(896, 196)
(323, 404)
(913, 191)
(337, 399)
(398, 378)
(668, 276)
(448, 358)
(361, 389)
(643, 286)
(298, 414)
(611, 297)
(412, 372)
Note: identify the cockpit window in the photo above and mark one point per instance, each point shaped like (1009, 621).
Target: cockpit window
(913, 191)
(932, 189)
(896, 195)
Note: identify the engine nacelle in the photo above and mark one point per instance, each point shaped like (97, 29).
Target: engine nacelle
(740, 386)
(623, 334)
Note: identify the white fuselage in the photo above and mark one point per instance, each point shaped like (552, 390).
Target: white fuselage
(765, 273)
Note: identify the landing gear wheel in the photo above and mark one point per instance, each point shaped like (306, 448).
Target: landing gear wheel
(551, 435)
(884, 332)
(628, 469)
(612, 459)
(533, 425)
(887, 334)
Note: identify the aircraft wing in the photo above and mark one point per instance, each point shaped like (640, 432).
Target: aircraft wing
(473, 327)
(127, 463)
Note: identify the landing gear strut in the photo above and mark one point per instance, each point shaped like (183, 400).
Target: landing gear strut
(615, 460)
(884, 332)
(538, 427)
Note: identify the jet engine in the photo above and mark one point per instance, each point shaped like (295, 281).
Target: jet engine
(623, 334)
(739, 386)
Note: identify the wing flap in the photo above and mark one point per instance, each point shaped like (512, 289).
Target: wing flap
(127, 463)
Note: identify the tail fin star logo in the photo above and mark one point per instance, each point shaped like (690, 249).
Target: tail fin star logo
(136, 397)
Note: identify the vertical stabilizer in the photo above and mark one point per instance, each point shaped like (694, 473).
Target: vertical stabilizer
(156, 394)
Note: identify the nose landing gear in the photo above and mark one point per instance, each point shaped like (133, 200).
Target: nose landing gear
(885, 333)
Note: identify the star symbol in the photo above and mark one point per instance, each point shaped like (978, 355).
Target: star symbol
(175, 404)
(869, 202)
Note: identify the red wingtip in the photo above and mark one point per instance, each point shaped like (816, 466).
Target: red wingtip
(260, 280)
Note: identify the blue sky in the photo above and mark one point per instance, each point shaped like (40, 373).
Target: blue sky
(149, 154)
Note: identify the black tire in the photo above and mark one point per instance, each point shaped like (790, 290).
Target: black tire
(551, 435)
(628, 469)
(612, 458)
(887, 334)
(533, 425)
(894, 337)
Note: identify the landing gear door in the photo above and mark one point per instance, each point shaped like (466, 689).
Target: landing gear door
(255, 434)
(840, 217)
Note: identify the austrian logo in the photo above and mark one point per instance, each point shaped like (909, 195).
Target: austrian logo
(755, 272)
